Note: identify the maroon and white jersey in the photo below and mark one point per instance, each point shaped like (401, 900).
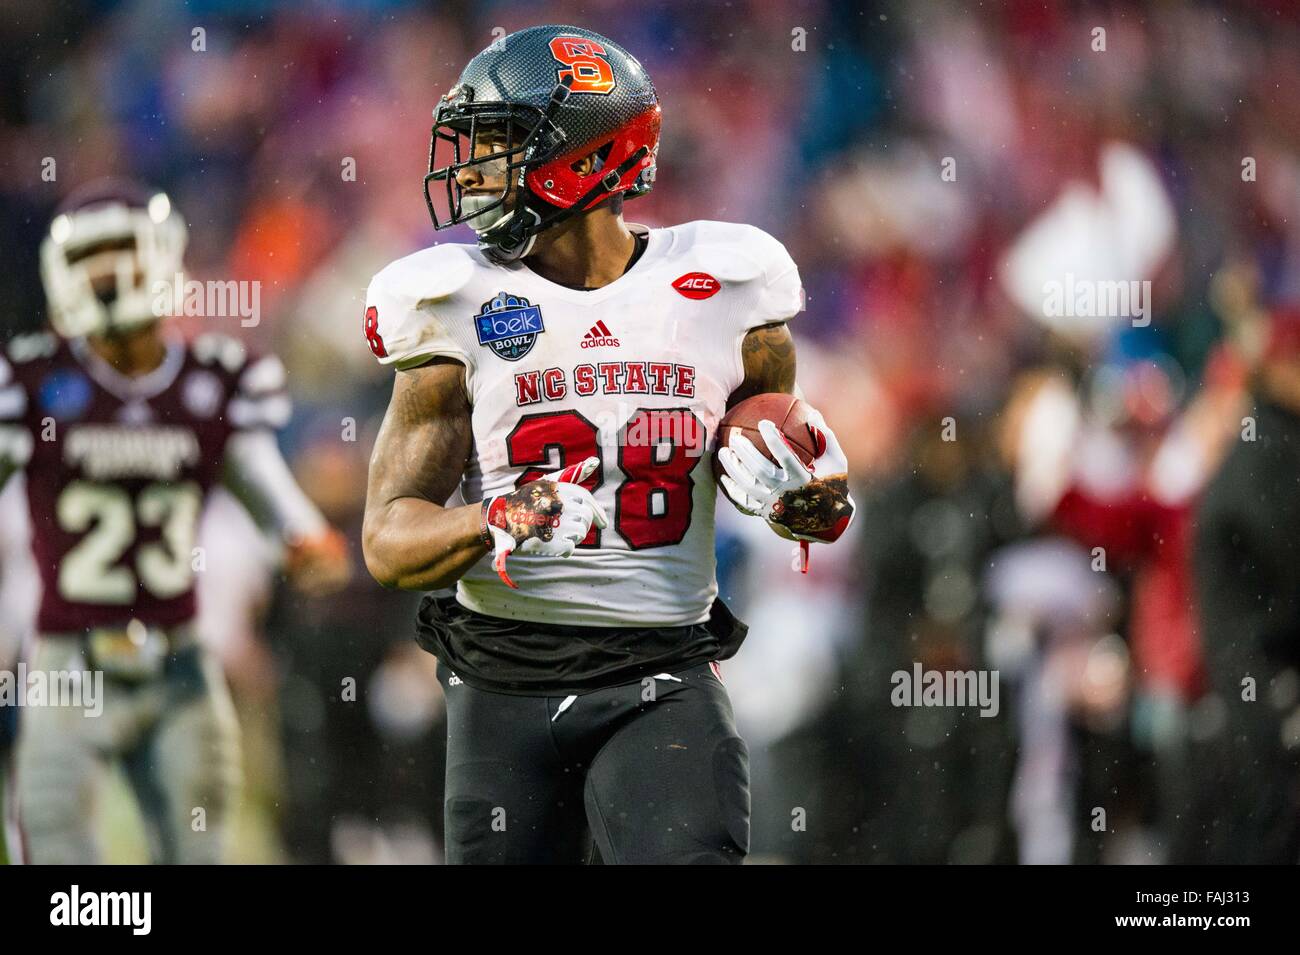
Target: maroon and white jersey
(636, 373)
(118, 468)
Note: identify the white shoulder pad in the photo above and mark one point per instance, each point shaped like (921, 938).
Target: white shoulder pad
(259, 398)
(213, 348)
(402, 325)
(734, 253)
(263, 376)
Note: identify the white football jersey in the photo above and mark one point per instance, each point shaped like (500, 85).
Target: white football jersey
(637, 373)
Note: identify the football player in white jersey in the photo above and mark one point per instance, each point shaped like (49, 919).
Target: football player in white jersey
(567, 376)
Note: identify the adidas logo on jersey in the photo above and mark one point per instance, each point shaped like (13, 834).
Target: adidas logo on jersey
(599, 335)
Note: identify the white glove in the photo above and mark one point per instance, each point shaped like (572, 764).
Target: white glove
(799, 503)
(549, 516)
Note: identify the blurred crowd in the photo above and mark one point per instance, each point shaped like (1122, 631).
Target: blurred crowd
(1100, 508)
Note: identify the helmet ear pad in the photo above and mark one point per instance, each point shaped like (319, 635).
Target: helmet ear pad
(557, 183)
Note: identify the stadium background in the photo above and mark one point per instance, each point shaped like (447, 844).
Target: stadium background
(828, 125)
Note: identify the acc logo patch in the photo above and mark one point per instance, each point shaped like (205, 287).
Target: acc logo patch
(698, 285)
(65, 395)
(509, 325)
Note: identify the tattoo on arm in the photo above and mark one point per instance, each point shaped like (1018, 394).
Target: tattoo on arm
(768, 355)
(410, 540)
(425, 439)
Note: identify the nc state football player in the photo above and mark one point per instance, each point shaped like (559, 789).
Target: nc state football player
(566, 375)
(123, 429)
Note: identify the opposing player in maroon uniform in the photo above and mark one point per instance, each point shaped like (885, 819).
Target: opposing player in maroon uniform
(123, 430)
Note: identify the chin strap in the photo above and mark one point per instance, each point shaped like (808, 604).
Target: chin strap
(608, 183)
(516, 247)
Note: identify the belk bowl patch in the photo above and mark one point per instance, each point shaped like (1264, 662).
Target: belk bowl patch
(509, 325)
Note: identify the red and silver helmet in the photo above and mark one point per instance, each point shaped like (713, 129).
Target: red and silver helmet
(555, 95)
(111, 256)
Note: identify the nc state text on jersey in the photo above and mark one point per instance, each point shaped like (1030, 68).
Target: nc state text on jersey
(607, 378)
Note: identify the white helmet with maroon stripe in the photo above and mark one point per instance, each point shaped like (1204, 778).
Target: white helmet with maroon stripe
(110, 259)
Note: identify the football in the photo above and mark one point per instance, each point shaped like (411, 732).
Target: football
(788, 413)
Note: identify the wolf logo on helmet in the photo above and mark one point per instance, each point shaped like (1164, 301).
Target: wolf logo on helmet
(556, 95)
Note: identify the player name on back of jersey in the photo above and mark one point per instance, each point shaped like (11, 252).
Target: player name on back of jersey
(111, 452)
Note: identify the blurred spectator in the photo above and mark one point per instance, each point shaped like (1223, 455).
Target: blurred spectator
(360, 712)
(924, 784)
(1248, 589)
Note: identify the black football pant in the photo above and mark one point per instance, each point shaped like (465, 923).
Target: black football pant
(650, 772)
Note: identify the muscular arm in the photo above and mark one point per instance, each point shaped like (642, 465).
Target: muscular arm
(768, 354)
(410, 540)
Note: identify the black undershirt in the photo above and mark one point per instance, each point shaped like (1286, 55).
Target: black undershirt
(640, 239)
(540, 659)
